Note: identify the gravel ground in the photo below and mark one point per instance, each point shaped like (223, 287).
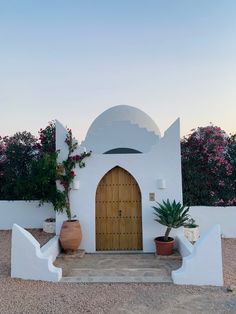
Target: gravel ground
(229, 261)
(20, 296)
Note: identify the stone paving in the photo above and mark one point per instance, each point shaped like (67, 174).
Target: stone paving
(115, 267)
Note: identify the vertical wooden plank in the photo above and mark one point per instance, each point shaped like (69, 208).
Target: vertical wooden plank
(107, 223)
(130, 204)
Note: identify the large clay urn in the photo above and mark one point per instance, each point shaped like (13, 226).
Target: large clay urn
(70, 236)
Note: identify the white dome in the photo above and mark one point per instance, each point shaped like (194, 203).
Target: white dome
(122, 128)
(124, 113)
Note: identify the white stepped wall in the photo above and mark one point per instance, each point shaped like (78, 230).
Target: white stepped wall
(204, 265)
(37, 264)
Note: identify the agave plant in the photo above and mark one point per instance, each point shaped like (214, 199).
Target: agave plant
(171, 214)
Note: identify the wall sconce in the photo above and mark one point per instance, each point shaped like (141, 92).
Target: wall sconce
(161, 184)
(76, 185)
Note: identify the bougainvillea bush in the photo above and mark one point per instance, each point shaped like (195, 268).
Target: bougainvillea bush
(28, 165)
(208, 161)
(46, 170)
(29, 169)
(17, 153)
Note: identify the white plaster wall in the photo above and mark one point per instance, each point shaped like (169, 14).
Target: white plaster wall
(163, 161)
(62, 148)
(26, 214)
(61, 133)
(207, 216)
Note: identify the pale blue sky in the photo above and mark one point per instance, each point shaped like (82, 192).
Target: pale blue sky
(71, 60)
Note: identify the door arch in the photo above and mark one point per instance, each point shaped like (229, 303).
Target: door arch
(118, 212)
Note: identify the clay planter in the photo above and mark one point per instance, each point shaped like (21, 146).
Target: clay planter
(49, 225)
(70, 236)
(162, 247)
(192, 233)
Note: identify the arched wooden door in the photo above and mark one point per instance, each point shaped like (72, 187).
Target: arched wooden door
(118, 212)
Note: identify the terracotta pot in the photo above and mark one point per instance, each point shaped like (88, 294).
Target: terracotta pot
(70, 235)
(162, 247)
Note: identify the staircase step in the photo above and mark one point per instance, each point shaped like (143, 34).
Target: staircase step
(117, 279)
(109, 275)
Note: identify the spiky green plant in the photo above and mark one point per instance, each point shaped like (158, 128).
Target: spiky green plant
(171, 215)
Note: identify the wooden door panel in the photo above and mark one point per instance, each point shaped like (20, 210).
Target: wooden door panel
(118, 212)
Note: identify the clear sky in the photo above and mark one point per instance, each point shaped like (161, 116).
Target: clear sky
(73, 59)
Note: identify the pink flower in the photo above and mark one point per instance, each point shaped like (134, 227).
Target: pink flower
(72, 174)
(221, 183)
(220, 202)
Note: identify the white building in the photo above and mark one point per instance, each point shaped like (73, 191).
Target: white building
(131, 167)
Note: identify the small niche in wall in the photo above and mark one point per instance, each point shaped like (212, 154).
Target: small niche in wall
(152, 197)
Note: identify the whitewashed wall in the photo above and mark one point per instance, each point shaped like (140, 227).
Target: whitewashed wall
(208, 216)
(25, 214)
(162, 162)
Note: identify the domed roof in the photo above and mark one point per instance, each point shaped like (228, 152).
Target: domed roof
(122, 128)
(124, 113)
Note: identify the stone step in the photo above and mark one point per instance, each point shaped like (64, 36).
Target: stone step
(108, 275)
(116, 279)
(72, 256)
(118, 271)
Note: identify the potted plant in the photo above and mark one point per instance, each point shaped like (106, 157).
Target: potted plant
(70, 235)
(171, 215)
(191, 230)
(49, 225)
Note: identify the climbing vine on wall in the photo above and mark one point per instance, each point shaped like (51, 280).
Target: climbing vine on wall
(65, 171)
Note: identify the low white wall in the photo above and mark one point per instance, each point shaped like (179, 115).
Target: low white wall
(37, 264)
(207, 216)
(25, 214)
